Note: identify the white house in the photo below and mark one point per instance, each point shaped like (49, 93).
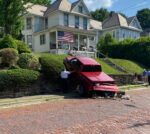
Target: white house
(58, 28)
(121, 27)
(65, 26)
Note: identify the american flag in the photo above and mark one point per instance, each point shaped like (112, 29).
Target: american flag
(65, 37)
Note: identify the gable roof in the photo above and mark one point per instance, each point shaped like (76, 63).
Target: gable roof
(129, 20)
(63, 5)
(35, 9)
(74, 4)
(94, 24)
(114, 19)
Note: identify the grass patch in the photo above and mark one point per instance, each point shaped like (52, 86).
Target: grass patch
(108, 69)
(129, 87)
(129, 66)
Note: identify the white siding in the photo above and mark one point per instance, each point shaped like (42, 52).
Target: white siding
(72, 20)
(41, 48)
(53, 20)
(76, 9)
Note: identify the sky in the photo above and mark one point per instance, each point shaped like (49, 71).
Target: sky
(128, 7)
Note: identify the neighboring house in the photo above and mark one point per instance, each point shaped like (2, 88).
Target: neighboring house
(146, 32)
(121, 27)
(58, 28)
(65, 26)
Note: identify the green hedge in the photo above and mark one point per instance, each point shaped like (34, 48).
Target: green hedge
(138, 50)
(28, 61)
(22, 47)
(17, 78)
(8, 42)
(52, 65)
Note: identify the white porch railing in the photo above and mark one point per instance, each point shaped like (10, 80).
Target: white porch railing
(75, 53)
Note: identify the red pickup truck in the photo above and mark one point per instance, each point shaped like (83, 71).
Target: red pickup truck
(88, 78)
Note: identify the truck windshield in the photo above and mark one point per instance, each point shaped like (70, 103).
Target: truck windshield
(95, 68)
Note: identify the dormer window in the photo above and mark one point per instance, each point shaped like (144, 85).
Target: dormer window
(80, 9)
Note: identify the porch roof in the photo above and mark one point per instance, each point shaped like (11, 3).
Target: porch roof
(74, 30)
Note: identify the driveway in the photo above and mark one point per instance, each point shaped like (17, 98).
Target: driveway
(81, 116)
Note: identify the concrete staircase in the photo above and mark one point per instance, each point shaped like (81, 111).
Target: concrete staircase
(113, 65)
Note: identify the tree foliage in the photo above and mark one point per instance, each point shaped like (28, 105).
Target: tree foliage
(100, 14)
(144, 17)
(11, 13)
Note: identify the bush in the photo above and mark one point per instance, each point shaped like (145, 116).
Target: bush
(138, 50)
(17, 78)
(8, 42)
(52, 65)
(22, 47)
(28, 61)
(9, 56)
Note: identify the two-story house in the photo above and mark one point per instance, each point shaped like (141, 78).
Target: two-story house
(122, 28)
(60, 27)
(65, 26)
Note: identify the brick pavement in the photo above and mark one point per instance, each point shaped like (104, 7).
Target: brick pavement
(81, 116)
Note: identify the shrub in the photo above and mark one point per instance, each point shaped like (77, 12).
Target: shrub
(9, 56)
(22, 47)
(138, 50)
(17, 78)
(8, 42)
(52, 65)
(28, 61)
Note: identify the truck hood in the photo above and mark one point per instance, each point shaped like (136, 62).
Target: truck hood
(97, 76)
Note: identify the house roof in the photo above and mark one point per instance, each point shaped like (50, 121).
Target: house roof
(129, 20)
(94, 24)
(63, 5)
(74, 4)
(115, 19)
(35, 9)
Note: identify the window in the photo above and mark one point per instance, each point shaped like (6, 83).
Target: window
(29, 40)
(80, 9)
(76, 21)
(84, 23)
(66, 19)
(42, 39)
(46, 22)
(114, 35)
(29, 23)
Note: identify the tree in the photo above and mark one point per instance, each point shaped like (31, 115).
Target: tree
(144, 17)
(41, 2)
(100, 14)
(11, 13)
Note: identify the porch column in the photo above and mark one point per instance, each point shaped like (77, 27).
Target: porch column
(87, 43)
(56, 39)
(78, 42)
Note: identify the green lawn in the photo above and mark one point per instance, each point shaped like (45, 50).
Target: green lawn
(128, 65)
(108, 69)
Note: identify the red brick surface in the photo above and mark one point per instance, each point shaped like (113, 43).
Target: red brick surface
(81, 116)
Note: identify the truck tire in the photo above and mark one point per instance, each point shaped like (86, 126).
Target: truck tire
(81, 90)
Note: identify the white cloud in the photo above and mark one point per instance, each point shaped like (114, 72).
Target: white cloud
(94, 4)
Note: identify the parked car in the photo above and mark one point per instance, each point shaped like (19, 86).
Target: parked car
(88, 78)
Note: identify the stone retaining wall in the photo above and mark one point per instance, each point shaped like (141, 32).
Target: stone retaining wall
(126, 79)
